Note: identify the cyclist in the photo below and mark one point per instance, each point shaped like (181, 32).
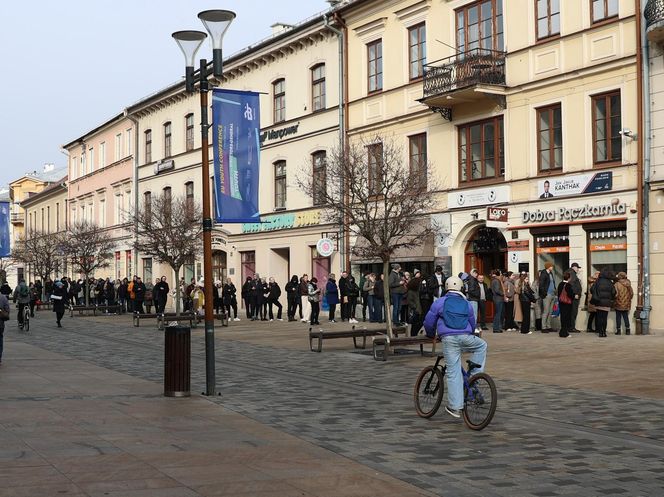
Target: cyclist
(22, 296)
(453, 320)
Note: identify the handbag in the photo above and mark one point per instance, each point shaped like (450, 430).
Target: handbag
(594, 299)
(564, 296)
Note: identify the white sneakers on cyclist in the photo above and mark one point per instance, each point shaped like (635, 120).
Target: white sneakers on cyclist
(453, 412)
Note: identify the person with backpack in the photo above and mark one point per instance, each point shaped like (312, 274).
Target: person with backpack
(452, 319)
(4, 316)
(22, 297)
(565, 302)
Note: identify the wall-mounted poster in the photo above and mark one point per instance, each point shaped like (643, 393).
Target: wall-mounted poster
(578, 184)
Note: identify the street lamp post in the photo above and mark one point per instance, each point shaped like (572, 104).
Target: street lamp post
(216, 23)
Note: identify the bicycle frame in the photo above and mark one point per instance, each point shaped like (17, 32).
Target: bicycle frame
(472, 394)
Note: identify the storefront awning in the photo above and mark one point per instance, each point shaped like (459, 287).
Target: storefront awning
(424, 251)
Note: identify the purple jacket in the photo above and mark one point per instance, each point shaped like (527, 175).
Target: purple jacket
(434, 318)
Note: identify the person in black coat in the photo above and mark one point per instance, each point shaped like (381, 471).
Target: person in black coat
(59, 299)
(603, 294)
(247, 297)
(122, 294)
(216, 297)
(379, 300)
(160, 293)
(139, 292)
(565, 292)
(526, 299)
(6, 290)
(293, 295)
(274, 292)
(229, 299)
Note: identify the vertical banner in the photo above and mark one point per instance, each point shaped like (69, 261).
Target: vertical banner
(4, 230)
(236, 130)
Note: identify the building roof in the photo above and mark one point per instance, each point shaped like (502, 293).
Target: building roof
(61, 184)
(48, 176)
(4, 194)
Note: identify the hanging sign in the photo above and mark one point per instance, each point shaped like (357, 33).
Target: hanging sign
(325, 247)
(4, 229)
(235, 134)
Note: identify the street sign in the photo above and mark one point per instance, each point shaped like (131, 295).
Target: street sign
(325, 247)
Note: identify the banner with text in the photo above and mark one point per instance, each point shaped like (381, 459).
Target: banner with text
(4, 229)
(577, 184)
(236, 140)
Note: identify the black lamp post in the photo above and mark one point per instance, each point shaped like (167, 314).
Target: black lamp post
(216, 23)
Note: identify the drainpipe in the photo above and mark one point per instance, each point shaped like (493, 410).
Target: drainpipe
(645, 139)
(135, 187)
(342, 133)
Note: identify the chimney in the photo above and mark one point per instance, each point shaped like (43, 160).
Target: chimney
(279, 27)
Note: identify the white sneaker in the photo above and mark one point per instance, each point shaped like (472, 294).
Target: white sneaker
(271, 320)
(279, 319)
(303, 320)
(236, 319)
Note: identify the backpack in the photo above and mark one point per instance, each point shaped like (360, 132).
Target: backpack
(455, 313)
(23, 291)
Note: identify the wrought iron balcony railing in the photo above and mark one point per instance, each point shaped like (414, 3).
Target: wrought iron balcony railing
(474, 67)
(654, 12)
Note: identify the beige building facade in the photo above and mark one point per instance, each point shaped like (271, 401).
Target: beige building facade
(296, 72)
(526, 113)
(101, 176)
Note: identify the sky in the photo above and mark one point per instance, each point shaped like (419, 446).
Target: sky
(70, 65)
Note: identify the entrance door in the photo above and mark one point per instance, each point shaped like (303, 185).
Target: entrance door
(320, 268)
(486, 250)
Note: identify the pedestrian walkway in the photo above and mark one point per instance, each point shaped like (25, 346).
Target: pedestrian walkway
(68, 427)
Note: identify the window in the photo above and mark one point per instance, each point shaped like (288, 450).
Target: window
(91, 155)
(84, 167)
(480, 26)
(148, 145)
(548, 18)
(375, 65)
(417, 51)
(147, 206)
(375, 168)
(553, 247)
(481, 150)
(189, 194)
(608, 249)
(417, 153)
(248, 260)
(167, 140)
(129, 151)
(147, 270)
(603, 9)
(57, 217)
(319, 177)
(318, 88)
(102, 213)
(280, 184)
(119, 203)
(118, 146)
(606, 128)
(167, 201)
(189, 134)
(189, 269)
(549, 138)
(74, 167)
(102, 155)
(279, 92)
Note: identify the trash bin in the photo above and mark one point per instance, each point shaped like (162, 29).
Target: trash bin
(177, 361)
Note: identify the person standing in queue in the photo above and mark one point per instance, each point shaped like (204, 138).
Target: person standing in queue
(59, 299)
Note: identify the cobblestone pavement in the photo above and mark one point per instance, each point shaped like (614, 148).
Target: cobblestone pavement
(545, 440)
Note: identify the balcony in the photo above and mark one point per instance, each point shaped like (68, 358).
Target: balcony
(466, 77)
(654, 14)
(17, 217)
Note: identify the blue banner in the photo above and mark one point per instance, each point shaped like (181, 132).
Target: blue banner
(4, 229)
(236, 140)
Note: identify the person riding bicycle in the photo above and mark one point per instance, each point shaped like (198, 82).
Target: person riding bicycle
(452, 319)
(22, 296)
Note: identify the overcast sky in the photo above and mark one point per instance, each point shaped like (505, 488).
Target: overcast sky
(70, 65)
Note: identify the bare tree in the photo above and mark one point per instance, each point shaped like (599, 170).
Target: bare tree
(170, 230)
(6, 263)
(42, 251)
(88, 248)
(380, 198)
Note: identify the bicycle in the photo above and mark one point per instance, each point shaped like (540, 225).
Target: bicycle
(480, 394)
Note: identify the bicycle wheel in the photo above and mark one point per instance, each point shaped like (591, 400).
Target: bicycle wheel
(428, 393)
(481, 399)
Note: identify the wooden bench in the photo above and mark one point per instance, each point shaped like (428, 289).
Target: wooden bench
(353, 333)
(110, 309)
(136, 318)
(81, 309)
(382, 343)
(164, 319)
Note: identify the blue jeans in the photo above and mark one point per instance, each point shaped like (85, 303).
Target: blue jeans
(396, 306)
(474, 305)
(620, 317)
(378, 310)
(498, 306)
(370, 306)
(453, 347)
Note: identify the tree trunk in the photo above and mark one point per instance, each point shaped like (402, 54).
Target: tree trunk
(86, 286)
(177, 290)
(387, 297)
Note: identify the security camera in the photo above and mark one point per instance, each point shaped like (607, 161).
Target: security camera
(627, 132)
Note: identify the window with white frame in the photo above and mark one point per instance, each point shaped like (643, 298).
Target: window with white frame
(74, 167)
(91, 158)
(118, 146)
(102, 155)
(119, 204)
(102, 213)
(84, 169)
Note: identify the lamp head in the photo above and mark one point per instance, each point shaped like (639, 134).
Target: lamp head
(189, 42)
(216, 23)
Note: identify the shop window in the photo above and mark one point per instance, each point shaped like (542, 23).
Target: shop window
(554, 248)
(608, 249)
